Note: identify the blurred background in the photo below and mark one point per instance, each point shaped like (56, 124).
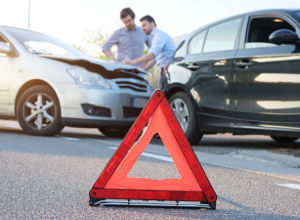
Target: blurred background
(87, 24)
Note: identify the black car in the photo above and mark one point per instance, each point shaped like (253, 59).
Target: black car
(240, 75)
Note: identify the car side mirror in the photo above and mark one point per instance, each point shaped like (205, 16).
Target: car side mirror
(4, 48)
(283, 36)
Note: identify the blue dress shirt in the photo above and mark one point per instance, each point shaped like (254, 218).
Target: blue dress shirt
(162, 46)
(130, 43)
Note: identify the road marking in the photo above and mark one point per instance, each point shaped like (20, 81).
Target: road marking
(290, 185)
(151, 155)
(69, 138)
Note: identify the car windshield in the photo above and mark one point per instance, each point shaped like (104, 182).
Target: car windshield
(42, 44)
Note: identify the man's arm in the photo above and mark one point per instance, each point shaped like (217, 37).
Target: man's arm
(114, 39)
(110, 55)
(142, 59)
(148, 64)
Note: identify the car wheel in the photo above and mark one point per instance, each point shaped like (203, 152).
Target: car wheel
(284, 139)
(185, 113)
(118, 132)
(38, 111)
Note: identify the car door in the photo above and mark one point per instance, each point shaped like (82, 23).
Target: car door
(6, 68)
(267, 76)
(212, 70)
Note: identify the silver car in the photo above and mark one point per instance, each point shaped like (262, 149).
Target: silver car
(46, 84)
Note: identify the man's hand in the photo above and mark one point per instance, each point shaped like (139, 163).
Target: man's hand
(110, 55)
(128, 61)
(140, 60)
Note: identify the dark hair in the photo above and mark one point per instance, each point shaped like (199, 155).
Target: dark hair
(148, 18)
(125, 12)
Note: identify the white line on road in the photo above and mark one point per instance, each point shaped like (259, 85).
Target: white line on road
(156, 156)
(290, 185)
(69, 138)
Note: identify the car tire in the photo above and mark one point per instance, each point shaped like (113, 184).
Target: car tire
(284, 139)
(38, 111)
(184, 110)
(117, 132)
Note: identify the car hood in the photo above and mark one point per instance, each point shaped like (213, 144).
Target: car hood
(107, 69)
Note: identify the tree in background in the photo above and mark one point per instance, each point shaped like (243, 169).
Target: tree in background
(92, 44)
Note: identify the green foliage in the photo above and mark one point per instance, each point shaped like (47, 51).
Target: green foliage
(96, 37)
(146, 50)
(92, 44)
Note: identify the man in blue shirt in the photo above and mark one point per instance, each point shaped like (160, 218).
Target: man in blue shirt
(162, 46)
(130, 39)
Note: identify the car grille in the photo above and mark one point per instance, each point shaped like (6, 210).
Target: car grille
(136, 86)
(131, 111)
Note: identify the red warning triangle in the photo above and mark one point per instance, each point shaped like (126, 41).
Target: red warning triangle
(114, 183)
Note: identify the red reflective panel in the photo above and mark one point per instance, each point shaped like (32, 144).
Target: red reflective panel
(114, 183)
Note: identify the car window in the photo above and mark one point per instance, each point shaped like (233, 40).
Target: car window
(259, 30)
(46, 48)
(222, 36)
(42, 44)
(297, 15)
(181, 50)
(3, 41)
(196, 44)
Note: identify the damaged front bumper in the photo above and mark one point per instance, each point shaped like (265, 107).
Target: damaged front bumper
(93, 107)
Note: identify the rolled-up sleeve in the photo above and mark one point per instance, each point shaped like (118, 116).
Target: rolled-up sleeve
(114, 39)
(157, 45)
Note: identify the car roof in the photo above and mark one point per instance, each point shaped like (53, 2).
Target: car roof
(249, 13)
(6, 26)
(28, 31)
(284, 10)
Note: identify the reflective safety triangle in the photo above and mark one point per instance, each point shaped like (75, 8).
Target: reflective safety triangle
(114, 183)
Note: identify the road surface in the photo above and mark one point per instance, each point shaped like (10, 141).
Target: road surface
(50, 177)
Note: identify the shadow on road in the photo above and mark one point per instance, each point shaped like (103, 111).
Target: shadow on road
(244, 142)
(225, 141)
(75, 133)
(228, 143)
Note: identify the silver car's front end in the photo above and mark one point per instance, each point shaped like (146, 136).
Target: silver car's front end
(93, 107)
(47, 84)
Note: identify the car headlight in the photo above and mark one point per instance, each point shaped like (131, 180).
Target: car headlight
(84, 77)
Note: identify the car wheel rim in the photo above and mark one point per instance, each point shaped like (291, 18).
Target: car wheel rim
(39, 111)
(181, 112)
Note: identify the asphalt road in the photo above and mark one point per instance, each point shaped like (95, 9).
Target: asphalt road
(50, 177)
